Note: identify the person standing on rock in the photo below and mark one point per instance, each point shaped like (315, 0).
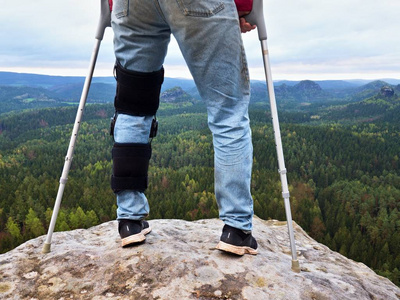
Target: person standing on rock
(208, 34)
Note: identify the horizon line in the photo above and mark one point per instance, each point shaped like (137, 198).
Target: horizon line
(191, 79)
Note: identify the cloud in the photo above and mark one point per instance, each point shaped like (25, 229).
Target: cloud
(337, 37)
(307, 39)
(47, 33)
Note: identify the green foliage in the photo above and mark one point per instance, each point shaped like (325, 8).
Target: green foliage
(356, 212)
(375, 108)
(14, 230)
(33, 227)
(344, 178)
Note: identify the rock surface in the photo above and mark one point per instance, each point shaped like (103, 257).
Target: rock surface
(179, 261)
(176, 95)
(387, 91)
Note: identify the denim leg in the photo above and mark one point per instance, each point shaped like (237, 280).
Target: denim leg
(141, 35)
(209, 37)
(141, 38)
(131, 129)
(210, 40)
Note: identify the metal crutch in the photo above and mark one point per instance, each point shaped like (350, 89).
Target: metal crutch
(256, 17)
(104, 22)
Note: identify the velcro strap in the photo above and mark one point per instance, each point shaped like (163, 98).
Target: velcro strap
(131, 150)
(138, 93)
(129, 183)
(130, 166)
(142, 81)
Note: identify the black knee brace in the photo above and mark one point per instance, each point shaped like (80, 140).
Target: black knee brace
(130, 166)
(138, 93)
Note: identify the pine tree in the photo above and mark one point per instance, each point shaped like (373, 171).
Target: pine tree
(33, 226)
(91, 219)
(14, 230)
(77, 219)
(62, 223)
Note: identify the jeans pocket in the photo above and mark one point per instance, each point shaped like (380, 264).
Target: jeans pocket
(196, 8)
(121, 8)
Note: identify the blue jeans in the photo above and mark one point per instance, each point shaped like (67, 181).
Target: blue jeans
(209, 38)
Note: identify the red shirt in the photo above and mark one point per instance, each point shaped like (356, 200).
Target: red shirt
(244, 5)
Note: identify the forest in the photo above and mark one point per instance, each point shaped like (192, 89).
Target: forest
(343, 171)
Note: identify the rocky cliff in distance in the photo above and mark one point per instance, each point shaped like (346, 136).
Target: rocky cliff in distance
(176, 95)
(179, 261)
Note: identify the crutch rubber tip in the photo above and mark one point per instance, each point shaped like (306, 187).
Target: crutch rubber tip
(46, 248)
(296, 266)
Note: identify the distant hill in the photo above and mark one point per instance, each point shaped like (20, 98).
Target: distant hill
(34, 91)
(384, 105)
(374, 85)
(27, 79)
(325, 84)
(59, 82)
(368, 90)
(99, 92)
(13, 98)
(308, 91)
(305, 91)
(35, 80)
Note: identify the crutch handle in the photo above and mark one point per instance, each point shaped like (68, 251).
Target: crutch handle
(256, 17)
(105, 19)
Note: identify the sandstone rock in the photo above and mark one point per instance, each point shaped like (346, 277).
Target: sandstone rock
(175, 95)
(387, 91)
(179, 261)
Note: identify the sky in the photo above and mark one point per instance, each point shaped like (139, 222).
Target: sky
(307, 39)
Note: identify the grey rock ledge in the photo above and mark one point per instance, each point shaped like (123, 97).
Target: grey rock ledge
(179, 261)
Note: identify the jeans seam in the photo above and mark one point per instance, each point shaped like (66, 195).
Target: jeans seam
(159, 10)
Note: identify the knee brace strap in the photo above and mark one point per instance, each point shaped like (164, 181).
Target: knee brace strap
(138, 93)
(130, 166)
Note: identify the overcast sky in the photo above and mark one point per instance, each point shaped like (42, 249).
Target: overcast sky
(307, 39)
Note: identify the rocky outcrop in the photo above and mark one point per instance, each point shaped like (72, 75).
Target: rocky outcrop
(387, 91)
(179, 261)
(176, 95)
